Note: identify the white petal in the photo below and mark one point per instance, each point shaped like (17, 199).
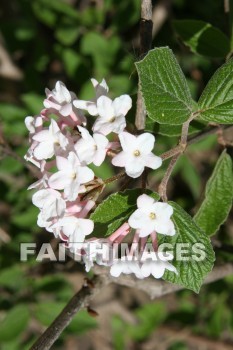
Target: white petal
(59, 180)
(134, 168)
(29, 122)
(44, 150)
(152, 161)
(120, 159)
(80, 104)
(54, 128)
(66, 109)
(116, 269)
(158, 269)
(86, 225)
(145, 142)
(122, 105)
(145, 202)
(163, 210)
(146, 269)
(104, 106)
(119, 124)
(100, 140)
(41, 136)
(63, 164)
(99, 157)
(128, 141)
(85, 174)
(102, 126)
(138, 219)
(61, 93)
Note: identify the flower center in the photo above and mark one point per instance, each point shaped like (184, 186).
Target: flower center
(137, 153)
(152, 216)
(73, 176)
(112, 120)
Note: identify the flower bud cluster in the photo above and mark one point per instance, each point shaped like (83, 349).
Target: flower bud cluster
(64, 144)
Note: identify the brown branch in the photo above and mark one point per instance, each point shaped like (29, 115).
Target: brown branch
(163, 185)
(146, 26)
(154, 288)
(193, 139)
(79, 301)
(182, 146)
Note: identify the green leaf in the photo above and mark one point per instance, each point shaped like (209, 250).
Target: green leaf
(216, 101)
(14, 323)
(150, 317)
(217, 204)
(191, 272)
(115, 210)
(71, 61)
(164, 88)
(67, 34)
(33, 102)
(12, 277)
(203, 38)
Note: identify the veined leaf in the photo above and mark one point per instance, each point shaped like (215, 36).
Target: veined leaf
(164, 87)
(215, 208)
(216, 101)
(191, 272)
(203, 38)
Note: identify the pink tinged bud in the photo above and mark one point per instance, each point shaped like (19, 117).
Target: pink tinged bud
(120, 233)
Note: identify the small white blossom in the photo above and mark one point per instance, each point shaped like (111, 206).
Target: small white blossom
(33, 123)
(70, 176)
(152, 216)
(101, 89)
(49, 141)
(91, 149)
(157, 268)
(112, 114)
(126, 267)
(50, 202)
(59, 99)
(75, 230)
(136, 154)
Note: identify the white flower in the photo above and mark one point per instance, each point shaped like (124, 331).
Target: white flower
(91, 149)
(101, 89)
(156, 268)
(112, 114)
(50, 202)
(152, 216)
(126, 267)
(70, 176)
(33, 123)
(59, 99)
(75, 230)
(136, 154)
(49, 141)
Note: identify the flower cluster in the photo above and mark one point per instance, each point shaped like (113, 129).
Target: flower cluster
(63, 148)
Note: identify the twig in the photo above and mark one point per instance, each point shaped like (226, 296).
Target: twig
(154, 288)
(146, 26)
(163, 185)
(79, 301)
(176, 150)
(182, 146)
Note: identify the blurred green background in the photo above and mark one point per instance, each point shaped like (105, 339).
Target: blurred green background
(42, 41)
